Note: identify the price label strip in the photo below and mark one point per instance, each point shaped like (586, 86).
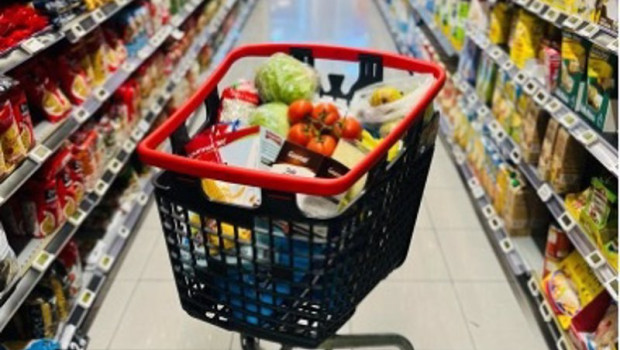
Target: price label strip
(101, 188)
(86, 299)
(77, 218)
(569, 120)
(495, 223)
(477, 192)
(129, 146)
(530, 88)
(39, 154)
(613, 46)
(488, 211)
(506, 245)
(541, 98)
(588, 137)
(102, 94)
(533, 286)
(144, 126)
(572, 22)
(99, 16)
(129, 67)
(589, 30)
(553, 105)
(545, 311)
(43, 261)
(566, 222)
(545, 192)
(520, 78)
(612, 287)
(515, 156)
(137, 134)
(78, 31)
(551, 15)
(595, 259)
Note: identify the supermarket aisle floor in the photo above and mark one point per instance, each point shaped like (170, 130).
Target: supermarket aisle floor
(449, 294)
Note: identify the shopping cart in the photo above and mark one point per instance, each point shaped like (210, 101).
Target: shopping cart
(271, 272)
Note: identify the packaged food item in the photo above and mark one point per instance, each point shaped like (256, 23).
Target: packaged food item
(535, 121)
(523, 212)
(11, 91)
(546, 152)
(70, 260)
(557, 248)
(238, 102)
(601, 90)
(599, 216)
(8, 263)
(44, 95)
(499, 26)
(572, 70)
(283, 78)
(525, 38)
(19, 22)
(66, 190)
(42, 205)
(73, 78)
(550, 59)
(98, 49)
(468, 62)
(606, 14)
(252, 147)
(567, 163)
(85, 151)
(10, 137)
(486, 78)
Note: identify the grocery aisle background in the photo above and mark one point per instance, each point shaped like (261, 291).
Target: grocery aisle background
(451, 293)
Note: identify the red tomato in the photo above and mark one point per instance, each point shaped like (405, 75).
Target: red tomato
(325, 113)
(299, 110)
(301, 133)
(351, 129)
(323, 144)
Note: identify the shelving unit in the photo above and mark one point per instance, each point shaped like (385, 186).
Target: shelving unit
(38, 254)
(435, 33)
(598, 146)
(596, 34)
(72, 31)
(554, 202)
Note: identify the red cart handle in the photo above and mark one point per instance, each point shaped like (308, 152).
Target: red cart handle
(149, 154)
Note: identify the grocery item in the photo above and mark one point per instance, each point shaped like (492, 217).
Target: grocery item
(273, 116)
(599, 216)
(567, 163)
(523, 212)
(10, 137)
(525, 38)
(606, 14)
(468, 62)
(572, 70)
(8, 263)
(282, 78)
(44, 95)
(19, 22)
(238, 102)
(485, 78)
(550, 60)
(546, 152)
(73, 78)
(535, 121)
(557, 248)
(499, 26)
(600, 95)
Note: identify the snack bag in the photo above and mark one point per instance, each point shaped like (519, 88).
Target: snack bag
(41, 204)
(599, 216)
(601, 90)
(10, 138)
(237, 103)
(567, 163)
(499, 28)
(45, 96)
(23, 118)
(572, 69)
(73, 79)
(98, 49)
(8, 263)
(546, 152)
(525, 38)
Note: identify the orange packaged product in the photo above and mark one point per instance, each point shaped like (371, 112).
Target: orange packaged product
(76, 172)
(23, 118)
(85, 151)
(57, 168)
(10, 139)
(40, 202)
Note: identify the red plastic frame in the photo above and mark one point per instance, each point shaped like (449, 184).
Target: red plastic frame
(149, 154)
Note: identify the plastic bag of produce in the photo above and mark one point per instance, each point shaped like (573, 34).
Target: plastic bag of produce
(283, 78)
(8, 263)
(389, 100)
(273, 116)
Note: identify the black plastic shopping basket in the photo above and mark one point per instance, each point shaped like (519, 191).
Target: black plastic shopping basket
(271, 272)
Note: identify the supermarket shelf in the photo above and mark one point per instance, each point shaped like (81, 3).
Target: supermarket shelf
(434, 32)
(554, 202)
(53, 135)
(118, 236)
(599, 147)
(399, 41)
(508, 250)
(603, 37)
(73, 31)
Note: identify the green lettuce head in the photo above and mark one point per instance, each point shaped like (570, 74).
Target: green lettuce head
(272, 116)
(283, 78)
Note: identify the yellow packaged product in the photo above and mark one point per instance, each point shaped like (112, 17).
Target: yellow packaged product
(572, 69)
(525, 38)
(567, 163)
(546, 152)
(499, 26)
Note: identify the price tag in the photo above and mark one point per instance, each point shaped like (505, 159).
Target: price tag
(128, 146)
(595, 259)
(560, 344)
(569, 120)
(500, 135)
(494, 126)
(137, 134)
(483, 112)
(39, 153)
(80, 115)
(545, 192)
(551, 15)
(488, 211)
(33, 45)
(533, 286)
(472, 98)
(541, 97)
(144, 126)
(566, 222)
(572, 22)
(143, 198)
(589, 30)
(495, 223)
(506, 245)
(520, 78)
(189, 7)
(544, 311)
(86, 299)
(122, 2)
(515, 155)
(508, 66)
(536, 6)
(78, 31)
(43, 261)
(460, 159)
(553, 105)
(157, 108)
(587, 137)
(530, 88)
(115, 166)
(177, 34)
(101, 187)
(522, 2)
(106, 262)
(495, 53)
(612, 287)
(101, 94)
(473, 182)
(176, 20)
(77, 218)
(99, 16)
(477, 192)
(613, 46)
(129, 67)
(124, 232)
(144, 53)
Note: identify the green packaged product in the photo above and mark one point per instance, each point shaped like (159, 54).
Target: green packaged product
(572, 69)
(599, 101)
(485, 80)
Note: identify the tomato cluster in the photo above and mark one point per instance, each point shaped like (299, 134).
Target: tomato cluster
(318, 127)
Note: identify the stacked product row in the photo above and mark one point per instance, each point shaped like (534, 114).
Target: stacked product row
(46, 90)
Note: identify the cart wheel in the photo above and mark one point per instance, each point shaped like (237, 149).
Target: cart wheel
(249, 343)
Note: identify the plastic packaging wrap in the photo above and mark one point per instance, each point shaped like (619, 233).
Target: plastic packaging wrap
(412, 90)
